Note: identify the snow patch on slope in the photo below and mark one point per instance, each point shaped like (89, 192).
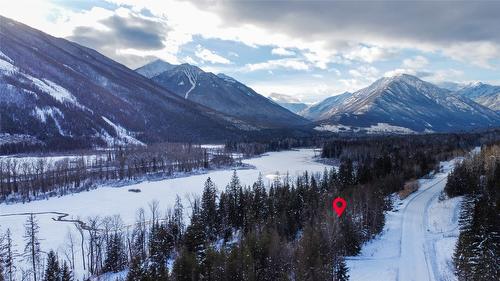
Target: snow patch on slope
(5, 57)
(43, 113)
(192, 76)
(373, 129)
(123, 134)
(387, 128)
(6, 65)
(57, 92)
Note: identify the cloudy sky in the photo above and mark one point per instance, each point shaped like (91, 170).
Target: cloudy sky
(307, 49)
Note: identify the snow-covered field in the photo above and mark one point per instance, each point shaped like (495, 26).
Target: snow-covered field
(108, 201)
(418, 239)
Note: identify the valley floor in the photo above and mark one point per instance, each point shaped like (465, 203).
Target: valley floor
(57, 215)
(418, 239)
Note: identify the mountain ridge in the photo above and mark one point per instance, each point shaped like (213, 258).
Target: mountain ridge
(288, 102)
(406, 101)
(225, 94)
(482, 93)
(61, 92)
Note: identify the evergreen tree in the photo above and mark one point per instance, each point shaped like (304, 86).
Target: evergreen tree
(116, 259)
(157, 272)
(224, 216)
(136, 271)
(66, 274)
(346, 173)
(209, 214)
(259, 206)
(314, 256)
(340, 270)
(52, 271)
(195, 238)
(185, 267)
(233, 193)
(177, 221)
(9, 255)
(2, 257)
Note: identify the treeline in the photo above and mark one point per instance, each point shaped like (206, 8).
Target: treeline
(477, 178)
(333, 144)
(24, 180)
(252, 148)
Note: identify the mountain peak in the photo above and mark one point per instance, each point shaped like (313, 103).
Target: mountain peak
(189, 67)
(404, 78)
(476, 84)
(154, 68)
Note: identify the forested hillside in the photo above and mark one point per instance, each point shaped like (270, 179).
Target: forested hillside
(478, 179)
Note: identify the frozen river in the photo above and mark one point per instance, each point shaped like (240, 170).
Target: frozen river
(108, 201)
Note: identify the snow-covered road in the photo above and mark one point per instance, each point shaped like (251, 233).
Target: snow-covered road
(418, 238)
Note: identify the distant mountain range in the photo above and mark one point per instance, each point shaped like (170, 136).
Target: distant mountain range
(403, 104)
(288, 102)
(325, 108)
(154, 68)
(221, 93)
(64, 94)
(484, 94)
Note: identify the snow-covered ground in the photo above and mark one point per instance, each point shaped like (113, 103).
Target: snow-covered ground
(418, 239)
(108, 201)
(380, 128)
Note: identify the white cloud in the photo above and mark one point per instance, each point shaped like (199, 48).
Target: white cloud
(476, 53)
(352, 85)
(293, 64)
(443, 75)
(207, 55)
(190, 60)
(415, 62)
(365, 71)
(369, 54)
(398, 71)
(282, 52)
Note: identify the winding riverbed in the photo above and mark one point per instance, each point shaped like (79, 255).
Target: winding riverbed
(57, 215)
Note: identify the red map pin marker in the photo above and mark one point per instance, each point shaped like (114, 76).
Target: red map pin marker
(339, 205)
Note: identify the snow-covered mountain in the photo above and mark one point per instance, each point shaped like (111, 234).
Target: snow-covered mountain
(325, 108)
(291, 103)
(154, 68)
(405, 103)
(484, 94)
(225, 94)
(64, 94)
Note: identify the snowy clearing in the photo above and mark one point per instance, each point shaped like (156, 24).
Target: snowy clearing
(108, 201)
(418, 239)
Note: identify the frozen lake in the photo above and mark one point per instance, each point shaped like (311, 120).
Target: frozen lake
(108, 201)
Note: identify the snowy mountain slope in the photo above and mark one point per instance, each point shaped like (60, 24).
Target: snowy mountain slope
(65, 94)
(418, 238)
(408, 102)
(484, 94)
(224, 94)
(288, 102)
(154, 68)
(325, 108)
